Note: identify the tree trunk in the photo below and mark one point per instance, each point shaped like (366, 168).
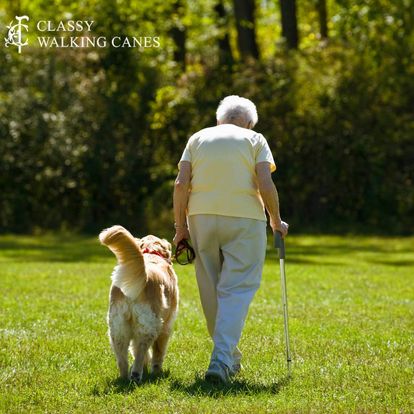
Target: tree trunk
(289, 23)
(323, 18)
(178, 34)
(244, 11)
(225, 55)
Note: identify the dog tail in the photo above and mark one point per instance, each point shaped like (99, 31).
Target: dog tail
(129, 275)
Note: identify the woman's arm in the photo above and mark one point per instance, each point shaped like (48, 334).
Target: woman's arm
(180, 201)
(270, 197)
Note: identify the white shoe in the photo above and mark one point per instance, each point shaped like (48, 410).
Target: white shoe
(217, 373)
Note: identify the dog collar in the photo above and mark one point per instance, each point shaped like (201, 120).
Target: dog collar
(147, 251)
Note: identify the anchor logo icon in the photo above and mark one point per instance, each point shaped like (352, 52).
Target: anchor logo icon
(14, 35)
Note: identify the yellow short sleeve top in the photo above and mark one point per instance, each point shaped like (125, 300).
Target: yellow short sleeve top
(223, 176)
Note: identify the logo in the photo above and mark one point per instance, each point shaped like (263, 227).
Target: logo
(14, 35)
(71, 34)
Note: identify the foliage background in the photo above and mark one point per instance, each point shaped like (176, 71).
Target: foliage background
(91, 137)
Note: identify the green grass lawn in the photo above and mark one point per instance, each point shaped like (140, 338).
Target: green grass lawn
(351, 303)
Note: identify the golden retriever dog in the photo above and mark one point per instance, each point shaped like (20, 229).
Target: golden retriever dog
(143, 300)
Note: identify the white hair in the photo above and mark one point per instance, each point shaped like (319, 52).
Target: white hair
(236, 108)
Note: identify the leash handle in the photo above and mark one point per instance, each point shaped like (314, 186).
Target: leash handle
(182, 246)
(279, 244)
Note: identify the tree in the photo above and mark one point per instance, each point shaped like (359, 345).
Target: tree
(225, 55)
(178, 33)
(289, 23)
(244, 11)
(323, 17)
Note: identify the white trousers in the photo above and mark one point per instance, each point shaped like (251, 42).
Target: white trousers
(230, 253)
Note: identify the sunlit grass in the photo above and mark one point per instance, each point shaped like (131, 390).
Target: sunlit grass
(351, 303)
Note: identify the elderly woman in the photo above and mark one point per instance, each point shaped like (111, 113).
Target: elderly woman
(223, 185)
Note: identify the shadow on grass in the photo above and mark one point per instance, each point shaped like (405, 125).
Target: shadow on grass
(122, 386)
(54, 248)
(201, 387)
(393, 262)
(379, 251)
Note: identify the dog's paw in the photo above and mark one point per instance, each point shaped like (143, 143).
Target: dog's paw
(136, 377)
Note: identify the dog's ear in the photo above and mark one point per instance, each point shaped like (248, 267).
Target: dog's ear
(166, 248)
(167, 244)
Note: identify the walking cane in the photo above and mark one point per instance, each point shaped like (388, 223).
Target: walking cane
(280, 244)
